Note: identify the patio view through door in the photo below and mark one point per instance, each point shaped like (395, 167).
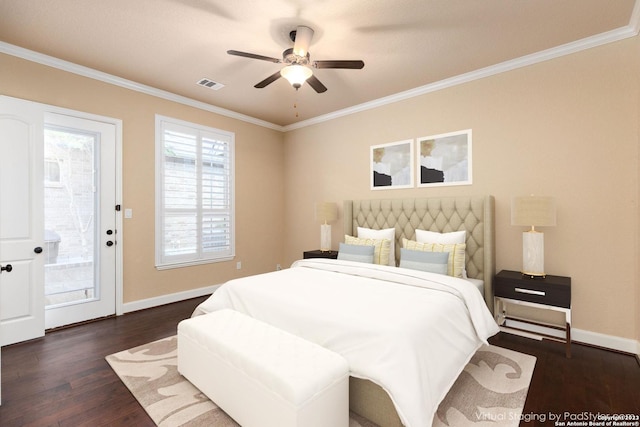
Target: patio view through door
(79, 219)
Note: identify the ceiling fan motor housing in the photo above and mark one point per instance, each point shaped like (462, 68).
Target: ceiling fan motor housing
(290, 58)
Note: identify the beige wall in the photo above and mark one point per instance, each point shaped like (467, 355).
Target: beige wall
(566, 128)
(259, 178)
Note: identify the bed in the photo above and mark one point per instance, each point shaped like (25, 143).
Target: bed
(407, 334)
(473, 214)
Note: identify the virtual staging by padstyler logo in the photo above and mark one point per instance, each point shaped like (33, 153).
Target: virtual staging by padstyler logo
(564, 419)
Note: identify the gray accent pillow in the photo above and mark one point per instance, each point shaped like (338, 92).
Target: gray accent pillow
(434, 262)
(359, 253)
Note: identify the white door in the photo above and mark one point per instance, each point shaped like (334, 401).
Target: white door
(77, 245)
(80, 233)
(21, 220)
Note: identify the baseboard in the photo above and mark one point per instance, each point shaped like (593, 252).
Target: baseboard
(596, 339)
(625, 345)
(167, 299)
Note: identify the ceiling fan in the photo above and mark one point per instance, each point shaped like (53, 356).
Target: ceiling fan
(298, 62)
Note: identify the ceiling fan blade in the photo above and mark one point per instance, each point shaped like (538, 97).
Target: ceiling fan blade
(302, 41)
(272, 78)
(354, 65)
(254, 56)
(316, 84)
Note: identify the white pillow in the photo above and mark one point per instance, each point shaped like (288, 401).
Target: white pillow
(387, 233)
(424, 236)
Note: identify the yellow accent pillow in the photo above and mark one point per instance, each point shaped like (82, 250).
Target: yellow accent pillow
(380, 247)
(457, 255)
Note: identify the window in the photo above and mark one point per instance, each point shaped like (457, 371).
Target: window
(52, 173)
(194, 194)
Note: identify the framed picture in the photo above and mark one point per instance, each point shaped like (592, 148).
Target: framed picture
(392, 165)
(444, 159)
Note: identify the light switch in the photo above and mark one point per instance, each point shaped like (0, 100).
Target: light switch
(128, 213)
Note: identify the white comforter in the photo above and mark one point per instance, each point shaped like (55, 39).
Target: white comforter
(408, 331)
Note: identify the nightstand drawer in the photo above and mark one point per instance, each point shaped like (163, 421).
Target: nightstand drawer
(552, 290)
(320, 254)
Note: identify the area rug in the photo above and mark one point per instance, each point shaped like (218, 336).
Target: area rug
(490, 391)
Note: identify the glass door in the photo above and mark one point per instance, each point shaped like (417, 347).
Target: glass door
(79, 220)
(69, 216)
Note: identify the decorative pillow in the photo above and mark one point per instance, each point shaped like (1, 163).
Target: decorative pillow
(381, 247)
(455, 265)
(357, 253)
(387, 233)
(425, 236)
(434, 262)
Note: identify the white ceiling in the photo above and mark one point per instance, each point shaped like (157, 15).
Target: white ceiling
(406, 44)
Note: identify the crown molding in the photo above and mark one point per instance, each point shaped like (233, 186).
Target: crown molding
(80, 70)
(587, 43)
(628, 31)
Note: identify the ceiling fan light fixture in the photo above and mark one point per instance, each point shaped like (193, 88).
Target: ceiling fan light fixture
(296, 74)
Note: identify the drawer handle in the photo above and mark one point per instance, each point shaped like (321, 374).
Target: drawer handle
(530, 291)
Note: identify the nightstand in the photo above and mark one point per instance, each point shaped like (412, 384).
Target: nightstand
(548, 293)
(320, 254)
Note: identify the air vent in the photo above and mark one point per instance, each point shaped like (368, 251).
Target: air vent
(210, 84)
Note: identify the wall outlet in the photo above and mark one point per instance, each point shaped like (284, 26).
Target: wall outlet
(278, 267)
(238, 265)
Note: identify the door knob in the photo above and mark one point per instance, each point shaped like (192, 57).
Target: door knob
(8, 268)
(109, 243)
(37, 249)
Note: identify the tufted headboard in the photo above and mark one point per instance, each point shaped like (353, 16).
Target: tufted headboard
(440, 214)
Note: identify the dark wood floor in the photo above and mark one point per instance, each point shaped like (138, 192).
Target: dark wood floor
(64, 380)
(593, 381)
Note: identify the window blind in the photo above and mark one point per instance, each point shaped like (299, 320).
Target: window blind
(195, 215)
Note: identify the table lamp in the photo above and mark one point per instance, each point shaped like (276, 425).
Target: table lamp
(326, 212)
(533, 211)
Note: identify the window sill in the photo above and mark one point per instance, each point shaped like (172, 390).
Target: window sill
(169, 266)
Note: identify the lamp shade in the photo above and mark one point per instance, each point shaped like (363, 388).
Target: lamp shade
(326, 212)
(532, 211)
(296, 74)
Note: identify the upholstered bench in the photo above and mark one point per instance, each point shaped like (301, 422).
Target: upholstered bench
(263, 376)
